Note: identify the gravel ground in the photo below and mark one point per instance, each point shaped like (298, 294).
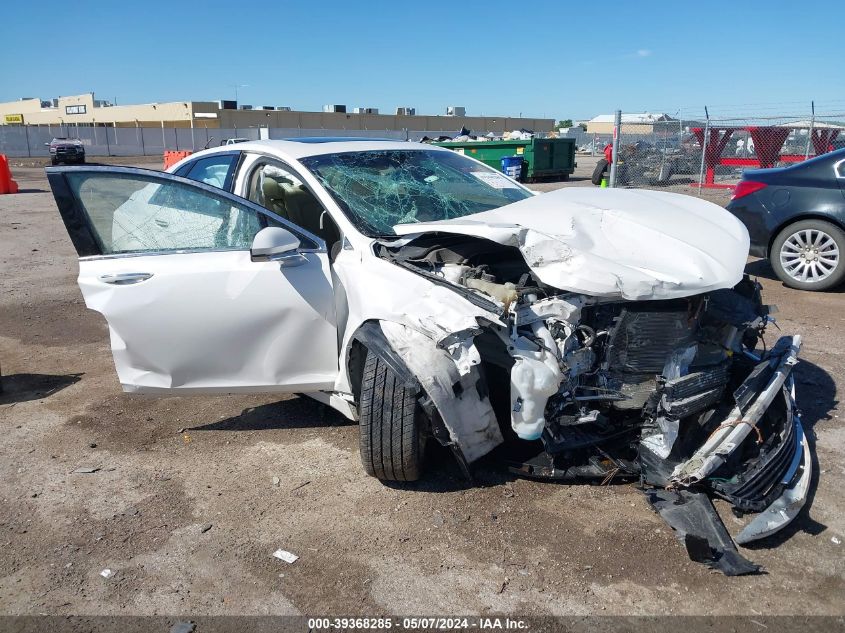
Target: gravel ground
(192, 496)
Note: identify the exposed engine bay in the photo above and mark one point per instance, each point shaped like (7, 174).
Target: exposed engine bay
(679, 394)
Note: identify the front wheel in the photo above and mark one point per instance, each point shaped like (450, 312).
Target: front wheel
(807, 255)
(391, 434)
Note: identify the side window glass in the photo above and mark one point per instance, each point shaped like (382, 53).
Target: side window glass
(131, 214)
(214, 170)
(281, 191)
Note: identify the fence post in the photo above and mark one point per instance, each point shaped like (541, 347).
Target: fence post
(810, 131)
(26, 134)
(617, 125)
(704, 149)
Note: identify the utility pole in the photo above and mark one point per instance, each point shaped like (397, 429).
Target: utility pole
(617, 125)
(810, 131)
(704, 149)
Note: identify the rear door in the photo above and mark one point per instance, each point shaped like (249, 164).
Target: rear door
(167, 261)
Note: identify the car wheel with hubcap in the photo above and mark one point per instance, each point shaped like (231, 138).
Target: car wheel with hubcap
(808, 255)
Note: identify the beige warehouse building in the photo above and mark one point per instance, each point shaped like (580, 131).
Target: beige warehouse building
(641, 123)
(85, 110)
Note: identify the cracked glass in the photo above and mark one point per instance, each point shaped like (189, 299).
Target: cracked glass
(378, 189)
(130, 214)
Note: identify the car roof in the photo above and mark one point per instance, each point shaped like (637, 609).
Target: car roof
(317, 146)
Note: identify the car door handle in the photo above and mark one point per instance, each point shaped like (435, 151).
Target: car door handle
(124, 279)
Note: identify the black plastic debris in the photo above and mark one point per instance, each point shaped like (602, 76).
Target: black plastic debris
(699, 528)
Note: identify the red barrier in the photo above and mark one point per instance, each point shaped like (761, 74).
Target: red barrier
(768, 142)
(171, 158)
(7, 185)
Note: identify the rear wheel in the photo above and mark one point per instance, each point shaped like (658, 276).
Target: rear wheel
(391, 428)
(808, 255)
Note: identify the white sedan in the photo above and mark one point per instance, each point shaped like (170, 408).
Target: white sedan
(581, 334)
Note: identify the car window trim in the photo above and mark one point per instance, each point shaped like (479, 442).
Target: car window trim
(87, 245)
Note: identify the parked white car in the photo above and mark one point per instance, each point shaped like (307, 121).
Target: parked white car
(581, 334)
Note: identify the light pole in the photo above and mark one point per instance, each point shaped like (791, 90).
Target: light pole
(237, 86)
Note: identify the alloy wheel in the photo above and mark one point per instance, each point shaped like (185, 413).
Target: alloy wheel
(809, 255)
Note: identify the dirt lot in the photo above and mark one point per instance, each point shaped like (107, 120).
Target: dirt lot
(193, 495)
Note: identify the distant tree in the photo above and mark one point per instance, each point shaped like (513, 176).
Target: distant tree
(565, 123)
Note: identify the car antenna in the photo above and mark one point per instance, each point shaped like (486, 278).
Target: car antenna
(208, 142)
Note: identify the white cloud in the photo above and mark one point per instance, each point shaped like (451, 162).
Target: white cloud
(643, 52)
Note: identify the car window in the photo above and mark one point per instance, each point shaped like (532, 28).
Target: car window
(379, 189)
(277, 188)
(214, 170)
(131, 214)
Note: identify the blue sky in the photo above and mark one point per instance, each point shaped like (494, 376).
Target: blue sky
(552, 59)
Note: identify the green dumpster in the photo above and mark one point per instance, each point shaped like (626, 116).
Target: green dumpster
(543, 158)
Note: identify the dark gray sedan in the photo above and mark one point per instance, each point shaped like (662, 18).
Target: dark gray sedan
(796, 217)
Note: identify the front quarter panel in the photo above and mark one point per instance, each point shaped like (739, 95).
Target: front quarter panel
(431, 328)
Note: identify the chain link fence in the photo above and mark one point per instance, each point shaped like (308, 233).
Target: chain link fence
(695, 153)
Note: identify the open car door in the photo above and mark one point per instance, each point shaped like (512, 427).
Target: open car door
(190, 306)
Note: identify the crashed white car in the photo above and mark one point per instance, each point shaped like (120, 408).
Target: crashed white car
(579, 335)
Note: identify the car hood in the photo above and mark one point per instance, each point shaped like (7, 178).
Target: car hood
(615, 243)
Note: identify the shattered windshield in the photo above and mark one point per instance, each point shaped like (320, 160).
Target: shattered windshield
(381, 188)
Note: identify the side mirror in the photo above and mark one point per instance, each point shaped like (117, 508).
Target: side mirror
(275, 244)
(46, 145)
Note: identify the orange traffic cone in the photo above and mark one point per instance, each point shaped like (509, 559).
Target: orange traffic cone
(7, 185)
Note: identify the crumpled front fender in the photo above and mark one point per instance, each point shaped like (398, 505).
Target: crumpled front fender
(451, 378)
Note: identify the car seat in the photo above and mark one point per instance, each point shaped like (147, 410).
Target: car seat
(273, 195)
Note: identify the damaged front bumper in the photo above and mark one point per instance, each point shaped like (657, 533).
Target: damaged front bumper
(776, 484)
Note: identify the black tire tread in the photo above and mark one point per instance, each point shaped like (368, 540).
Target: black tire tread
(389, 437)
(598, 172)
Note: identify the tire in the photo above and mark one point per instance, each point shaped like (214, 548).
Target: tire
(54, 161)
(807, 249)
(598, 172)
(391, 426)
